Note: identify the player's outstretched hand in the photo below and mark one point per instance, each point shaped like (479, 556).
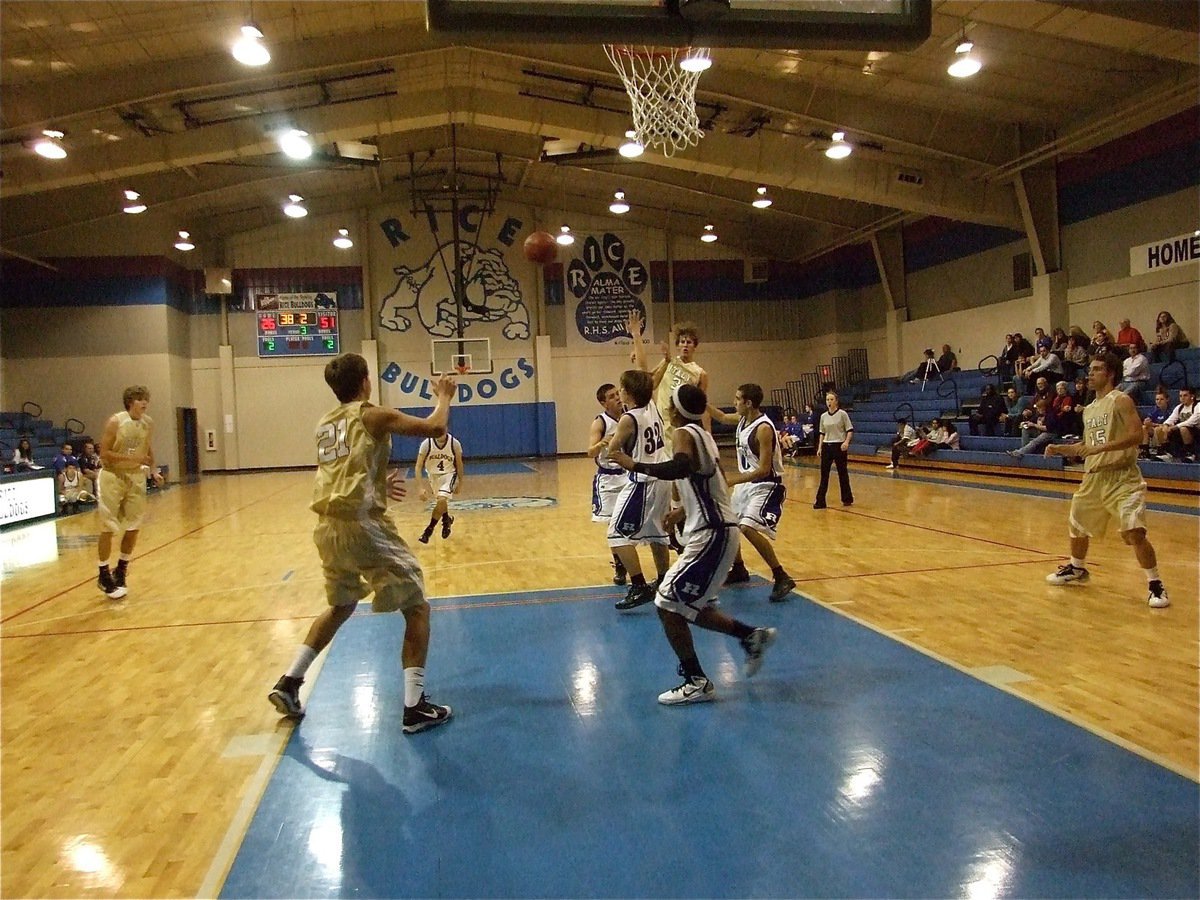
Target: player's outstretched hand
(633, 325)
(397, 487)
(444, 387)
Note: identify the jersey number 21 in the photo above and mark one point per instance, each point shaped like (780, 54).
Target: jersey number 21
(331, 441)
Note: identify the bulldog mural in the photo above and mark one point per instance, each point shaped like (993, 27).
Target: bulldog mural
(426, 293)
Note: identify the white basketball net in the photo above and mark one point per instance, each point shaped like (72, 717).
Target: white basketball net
(663, 95)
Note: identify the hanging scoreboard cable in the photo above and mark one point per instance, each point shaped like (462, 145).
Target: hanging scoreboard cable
(298, 324)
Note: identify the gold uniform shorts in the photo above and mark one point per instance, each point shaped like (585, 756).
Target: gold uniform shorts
(1108, 494)
(122, 500)
(359, 556)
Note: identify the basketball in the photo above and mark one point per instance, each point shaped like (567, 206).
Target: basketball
(541, 248)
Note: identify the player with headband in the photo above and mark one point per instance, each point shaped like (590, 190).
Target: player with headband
(710, 542)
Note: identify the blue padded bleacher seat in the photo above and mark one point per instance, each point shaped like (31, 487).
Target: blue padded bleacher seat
(1173, 470)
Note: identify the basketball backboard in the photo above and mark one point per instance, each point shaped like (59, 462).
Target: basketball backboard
(791, 24)
(452, 355)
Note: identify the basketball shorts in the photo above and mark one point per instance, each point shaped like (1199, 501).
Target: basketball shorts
(638, 513)
(363, 556)
(444, 485)
(696, 577)
(606, 487)
(122, 497)
(1106, 494)
(758, 505)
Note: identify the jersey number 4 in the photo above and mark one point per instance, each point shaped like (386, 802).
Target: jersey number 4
(331, 441)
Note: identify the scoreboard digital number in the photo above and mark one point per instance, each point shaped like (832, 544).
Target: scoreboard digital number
(298, 332)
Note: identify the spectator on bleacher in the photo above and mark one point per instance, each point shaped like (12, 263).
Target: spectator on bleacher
(65, 455)
(1079, 334)
(72, 488)
(808, 425)
(1045, 361)
(1082, 393)
(1042, 389)
(926, 369)
(1135, 370)
(1041, 339)
(1102, 341)
(1058, 421)
(906, 436)
(1023, 345)
(937, 435)
(1128, 336)
(788, 436)
(1158, 415)
(990, 412)
(89, 464)
(1177, 435)
(1058, 342)
(1074, 357)
(951, 442)
(1033, 422)
(1168, 337)
(1008, 357)
(947, 362)
(22, 460)
(1015, 407)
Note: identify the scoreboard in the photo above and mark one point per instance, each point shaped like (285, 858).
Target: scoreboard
(297, 325)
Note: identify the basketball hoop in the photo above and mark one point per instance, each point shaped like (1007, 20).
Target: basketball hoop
(661, 92)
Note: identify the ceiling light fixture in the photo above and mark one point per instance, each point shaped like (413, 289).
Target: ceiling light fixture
(184, 243)
(618, 206)
(133, 204)
(294, 208)
(710, 234)
(839, 149)
(295, 143)
(695, 59)
(342, 241)
(631, 149)
(762, 201)
(248, 50)
(565, 237)
(48, 145)
(965, 62)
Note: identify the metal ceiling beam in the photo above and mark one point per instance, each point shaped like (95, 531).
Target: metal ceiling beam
(778, 160)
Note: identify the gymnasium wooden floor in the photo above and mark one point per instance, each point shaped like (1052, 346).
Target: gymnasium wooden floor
(137, 739)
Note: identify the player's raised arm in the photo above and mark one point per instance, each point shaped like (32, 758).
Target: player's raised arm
(719, 415)
(380, 420)
(633, 327)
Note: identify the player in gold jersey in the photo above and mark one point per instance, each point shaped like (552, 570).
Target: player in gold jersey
(1112, 484)
(127, 457)
(361, 550)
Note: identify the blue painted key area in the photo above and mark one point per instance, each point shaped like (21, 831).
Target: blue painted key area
(850, 766)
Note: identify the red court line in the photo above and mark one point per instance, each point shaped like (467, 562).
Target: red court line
(926, 528)
(80, 584)
(41, 634)
(1017, 562)
(433, 606)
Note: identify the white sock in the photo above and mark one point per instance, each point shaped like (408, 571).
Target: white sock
(125, 557)
(414, 685)
(304, 658)
(1152, 574)
(1077, 563)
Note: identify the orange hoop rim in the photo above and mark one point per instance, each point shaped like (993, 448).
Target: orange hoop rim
(646, 51)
